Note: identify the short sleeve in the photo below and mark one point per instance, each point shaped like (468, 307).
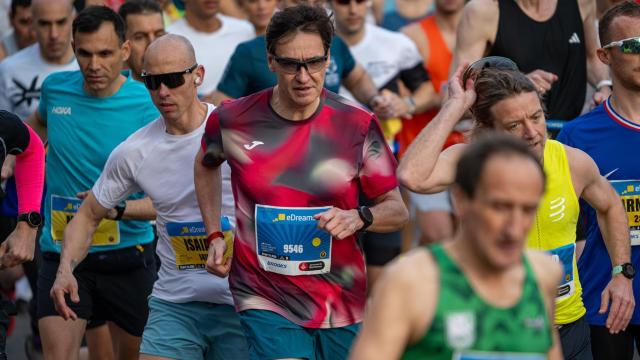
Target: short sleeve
(378, 169)
(235, 79)
(341, 50)
(117, 180)
(212, 140)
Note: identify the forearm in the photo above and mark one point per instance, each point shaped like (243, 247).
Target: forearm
(208, 185)
(361, 86)
(390, 214)
(141, 209)
(416, 167)
(77, 240)
(615, 231)
(38, 126)
(425, 98)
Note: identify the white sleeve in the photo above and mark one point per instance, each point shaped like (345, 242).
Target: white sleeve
(117, 180)
(410, 54)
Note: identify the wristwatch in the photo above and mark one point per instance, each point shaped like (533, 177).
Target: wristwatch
(366, 216)
(33, 218)
(626, 269)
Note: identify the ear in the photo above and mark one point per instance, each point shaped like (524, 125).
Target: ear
(270, 62)
(603, 55)
(459, 200)
(328, 59)
(126, 50)
(199, 72)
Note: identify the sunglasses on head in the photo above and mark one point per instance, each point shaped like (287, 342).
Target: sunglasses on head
(495, 62)
(627, 46)
(171, 80)
(292, 66)
(347, 2)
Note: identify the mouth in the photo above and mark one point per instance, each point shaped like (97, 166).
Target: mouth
(166, 106)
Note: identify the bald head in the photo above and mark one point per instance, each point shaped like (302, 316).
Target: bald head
(42, 7)
(171, 49)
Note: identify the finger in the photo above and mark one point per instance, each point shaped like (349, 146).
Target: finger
(604, 301)
(219, 249)
(325, 217)
(74, 294)
(548, 76)
(614, 312)
(3, 248)
(59, 303)
(344, 234)
(620, 320)
(334, 226)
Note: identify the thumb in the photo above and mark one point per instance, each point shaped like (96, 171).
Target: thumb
(604, 301)
(218, 252)
(73, 294)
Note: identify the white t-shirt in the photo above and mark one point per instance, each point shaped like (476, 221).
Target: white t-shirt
(213, 50)
(21, 76)
(161, 165)
(383, 54)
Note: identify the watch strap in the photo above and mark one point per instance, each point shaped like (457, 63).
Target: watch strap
(120, 212)
(616, 270)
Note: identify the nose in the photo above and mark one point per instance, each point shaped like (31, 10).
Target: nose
(352, 6)
(529, 129)
(54, 33)
(94, 63)
(302, 75)
(163, 90)
(516, 224)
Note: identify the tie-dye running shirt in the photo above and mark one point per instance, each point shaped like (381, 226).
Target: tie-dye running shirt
(276, 164)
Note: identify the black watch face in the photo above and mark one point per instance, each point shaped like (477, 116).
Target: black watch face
(366, 213)
(628, 270)
(35, 218)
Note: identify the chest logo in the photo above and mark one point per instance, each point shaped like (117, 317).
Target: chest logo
(556, 208)
(574, 39)
(253, 145)
(461, 329)
(61, 110)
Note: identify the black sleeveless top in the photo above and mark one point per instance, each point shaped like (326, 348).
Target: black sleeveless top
(556, 45)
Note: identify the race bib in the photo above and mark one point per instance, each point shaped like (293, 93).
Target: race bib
(63, 209)
(482, 355)
(564, 255)
(629, 191)
(188, 240)
(288, 241)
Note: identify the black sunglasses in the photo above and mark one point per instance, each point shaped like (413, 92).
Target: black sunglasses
(347, 2)
(496, 62)
(292, 66)
(171, 80)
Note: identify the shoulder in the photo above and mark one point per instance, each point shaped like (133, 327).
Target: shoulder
(179, 27)
(21, 58)
(344, 105)
(547, 270)
(415, 32)
(413, 272)
(236, 24)
(61, 80)
(482, 10)
(337, 44)
(138, 145)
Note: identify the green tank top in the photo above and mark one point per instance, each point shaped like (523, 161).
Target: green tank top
(465, 327)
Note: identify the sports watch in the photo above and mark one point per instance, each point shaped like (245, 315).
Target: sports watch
(33, 218)
(626, 269)
(366, 216)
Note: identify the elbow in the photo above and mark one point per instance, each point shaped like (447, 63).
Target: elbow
(409, 180)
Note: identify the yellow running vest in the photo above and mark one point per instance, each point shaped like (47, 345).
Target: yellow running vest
(554, 231)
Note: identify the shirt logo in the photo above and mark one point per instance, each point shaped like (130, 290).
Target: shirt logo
(27, 94)
(461, 329)
(61, 110)
(610, 173)
(574, 39)
(253, 145)
(556, 206)
(534, 323)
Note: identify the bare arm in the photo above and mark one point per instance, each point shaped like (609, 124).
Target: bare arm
(401, 309)
(38, 125)
(426, 97)
(3, 52)
(218, 96)
(416, 34)
(612, 219)
(77, 240)
(208, 185)
(360, 85)
(476, 32)
(596, 70)
(423, 168)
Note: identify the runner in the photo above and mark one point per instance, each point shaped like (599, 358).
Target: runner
(22, 35)
(435, 37)
(259, 12)
(299, 156)
(560, 55)
(606, 134)
(191, 312)
(214, 36)
(479, 296)
(398, 61)
(18, 247)
(86, 115)
(507, 101)
(143, 20)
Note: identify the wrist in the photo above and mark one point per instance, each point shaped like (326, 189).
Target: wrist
(213, 236)
(411, 104)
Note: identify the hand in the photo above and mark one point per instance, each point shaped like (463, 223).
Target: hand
(65, 283)
(460, 95)
(339, 223)
(19, 246)
(7, 167)
(601, 95)
(620, 292)
(216, 263)
(82, 194)
(543, 80)
(400, 107)
(382, 106)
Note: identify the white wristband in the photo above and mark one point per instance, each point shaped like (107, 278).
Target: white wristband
(604, 83)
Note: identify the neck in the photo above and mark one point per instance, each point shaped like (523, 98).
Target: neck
(448, 22)
(207, 25)
(626, 104)
(260, 30)
(189, 121)
(62, 60)
(354, 38)
(109, 90)
(529, 4)
(289, 110)
(467, 258)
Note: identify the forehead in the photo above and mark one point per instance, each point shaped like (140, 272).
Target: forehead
(51, 10)
(517, 107)
(511, 177)
(624, 27)
(161, 59)
(145, 21)
(105, 38)
(300, 45)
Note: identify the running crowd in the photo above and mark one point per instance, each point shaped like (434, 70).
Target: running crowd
(339, 179)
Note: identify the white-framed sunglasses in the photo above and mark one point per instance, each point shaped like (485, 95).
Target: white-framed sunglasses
(627, 46)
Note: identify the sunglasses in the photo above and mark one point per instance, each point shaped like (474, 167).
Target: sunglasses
(292, 66)
(348, 2)
(495, 62)
(628, 46)
(171, 80)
